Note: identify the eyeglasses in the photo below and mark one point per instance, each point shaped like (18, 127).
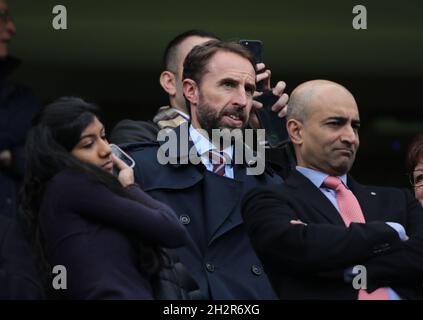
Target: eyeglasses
(416, 178)
(5, 16)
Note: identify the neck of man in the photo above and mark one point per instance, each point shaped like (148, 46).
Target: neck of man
(173, 104)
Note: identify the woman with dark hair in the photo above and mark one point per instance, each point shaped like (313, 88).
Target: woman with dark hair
(415, 166)
(102, 228)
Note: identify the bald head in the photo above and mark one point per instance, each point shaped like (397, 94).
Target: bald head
(310, 94)
(323, 124)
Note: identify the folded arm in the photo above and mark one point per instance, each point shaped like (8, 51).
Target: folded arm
(312, 247)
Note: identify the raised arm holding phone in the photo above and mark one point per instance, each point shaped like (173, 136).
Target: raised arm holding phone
(270, 103)
(101, 227)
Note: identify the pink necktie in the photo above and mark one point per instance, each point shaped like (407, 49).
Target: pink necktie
(350, 211)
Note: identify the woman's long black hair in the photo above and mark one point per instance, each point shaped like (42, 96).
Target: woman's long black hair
(56, 131)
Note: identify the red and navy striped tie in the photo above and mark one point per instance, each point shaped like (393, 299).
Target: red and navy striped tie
(218, 162)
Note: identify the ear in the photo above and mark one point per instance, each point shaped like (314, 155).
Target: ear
(190, 91)
(168, 82)
(294, 128)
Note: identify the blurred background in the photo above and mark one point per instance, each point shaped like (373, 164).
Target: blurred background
(111, 54)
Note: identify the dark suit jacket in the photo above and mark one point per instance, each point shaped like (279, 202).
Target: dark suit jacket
(219, 254)
(307, 262)
(19, 278)
(127, 131)
(18, 105)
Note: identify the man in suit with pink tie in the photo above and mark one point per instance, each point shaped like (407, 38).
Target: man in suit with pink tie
(312, 231)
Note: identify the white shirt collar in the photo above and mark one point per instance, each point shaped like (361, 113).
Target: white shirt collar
(317, 177)
(183, 114)
(203, 145)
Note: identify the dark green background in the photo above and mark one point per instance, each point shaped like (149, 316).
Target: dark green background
(111, 54)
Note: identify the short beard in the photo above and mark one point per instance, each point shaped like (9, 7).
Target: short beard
(209, 119)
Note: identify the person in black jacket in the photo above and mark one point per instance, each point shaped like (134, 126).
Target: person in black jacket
(18, 276)
(219, 85)
(17, 107)
(105, 231)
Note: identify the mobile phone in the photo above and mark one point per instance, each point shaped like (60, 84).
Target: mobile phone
(275, 127)
(118, 152)
(256, 48)
(269, 120)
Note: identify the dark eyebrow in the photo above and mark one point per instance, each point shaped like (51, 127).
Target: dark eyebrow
(225, 80)
(344, 120)
(341, 119)
(251, 87)
(248, 86)
(92, 135)
(87, 136)
(356, 122)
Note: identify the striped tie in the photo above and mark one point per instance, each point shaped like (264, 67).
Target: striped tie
(350, 211)
(218, 162)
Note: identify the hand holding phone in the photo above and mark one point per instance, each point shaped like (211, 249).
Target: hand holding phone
(122, 155)
(122, 166)
(269, 120)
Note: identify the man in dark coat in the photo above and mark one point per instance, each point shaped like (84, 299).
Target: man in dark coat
(18, 275)
(219, 82)
(17, 107)
(19, 278)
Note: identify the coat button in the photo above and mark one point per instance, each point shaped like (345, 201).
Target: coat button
(209, 267)
(184, 218)
(257, 270)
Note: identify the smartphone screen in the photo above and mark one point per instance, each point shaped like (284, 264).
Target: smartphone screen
(122, 155)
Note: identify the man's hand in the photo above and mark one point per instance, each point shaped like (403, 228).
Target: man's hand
(278, 90)
(297, 222)
(280, 106)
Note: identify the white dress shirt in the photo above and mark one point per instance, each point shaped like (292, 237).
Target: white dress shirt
(203, 146)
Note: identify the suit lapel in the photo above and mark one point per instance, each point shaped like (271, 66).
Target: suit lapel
(228, 215)
(301, 186)
(366, 198)
(221, 198)
(220, 195)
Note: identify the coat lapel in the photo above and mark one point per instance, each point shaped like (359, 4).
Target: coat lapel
(305, 189)
(176, 152)
(366, 198)
(221, 197)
